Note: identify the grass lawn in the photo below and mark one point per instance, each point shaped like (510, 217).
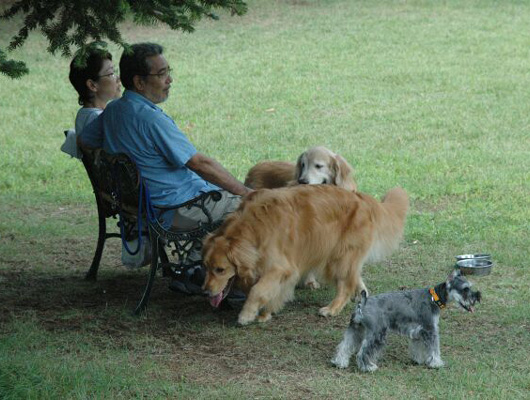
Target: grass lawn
(432, 96)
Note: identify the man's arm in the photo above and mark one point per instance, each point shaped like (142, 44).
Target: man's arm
(213, 172)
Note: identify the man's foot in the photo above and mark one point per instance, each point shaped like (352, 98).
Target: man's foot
(190, 281)
(236, 295)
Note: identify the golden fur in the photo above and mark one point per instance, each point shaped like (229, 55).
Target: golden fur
(276, 236)
(271, 175)
(314, 166)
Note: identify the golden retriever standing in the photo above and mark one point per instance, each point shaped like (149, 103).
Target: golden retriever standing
(278, 235)
(314, 166)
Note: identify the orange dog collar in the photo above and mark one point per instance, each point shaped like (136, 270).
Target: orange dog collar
(436, 299)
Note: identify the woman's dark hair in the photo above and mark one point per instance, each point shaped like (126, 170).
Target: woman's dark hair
(81, 71)
(134, 62)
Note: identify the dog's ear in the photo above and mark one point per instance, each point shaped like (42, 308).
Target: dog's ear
(298, 170)
(342, 173)
(244, 257)
(453, 274)
(207, 241)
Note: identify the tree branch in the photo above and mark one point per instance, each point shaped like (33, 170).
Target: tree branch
(66, 23)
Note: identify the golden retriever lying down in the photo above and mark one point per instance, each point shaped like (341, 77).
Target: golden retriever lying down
(278, 235)
(317, 165)
(314, 166)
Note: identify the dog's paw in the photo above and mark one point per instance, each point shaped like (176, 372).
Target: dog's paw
(243, 322)
(341, 362)
(325, 312)
(312, 284)
(371, 367)
(328, 311)
(264, 317)
(245, 319)
(435, 363)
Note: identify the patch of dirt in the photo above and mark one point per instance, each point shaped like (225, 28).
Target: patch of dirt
(183, 331)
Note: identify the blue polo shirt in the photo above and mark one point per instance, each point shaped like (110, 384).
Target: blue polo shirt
(136, 126)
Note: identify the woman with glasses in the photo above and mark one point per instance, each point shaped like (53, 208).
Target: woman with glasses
(96, 83)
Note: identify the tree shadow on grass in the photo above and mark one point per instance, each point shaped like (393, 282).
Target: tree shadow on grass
(60, 297)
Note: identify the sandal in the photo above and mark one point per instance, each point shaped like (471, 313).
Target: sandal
(190, 281)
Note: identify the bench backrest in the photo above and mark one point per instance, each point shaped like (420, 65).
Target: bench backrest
(115, 180)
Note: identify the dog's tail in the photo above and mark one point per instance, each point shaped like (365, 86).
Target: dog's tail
(389, 220)
(358, 314)
(364, 296)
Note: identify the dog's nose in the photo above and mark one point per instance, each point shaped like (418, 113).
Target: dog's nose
(303, 181)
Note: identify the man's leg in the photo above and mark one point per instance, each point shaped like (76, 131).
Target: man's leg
(186, 219)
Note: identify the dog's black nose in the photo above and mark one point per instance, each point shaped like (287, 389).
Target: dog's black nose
(303, 181)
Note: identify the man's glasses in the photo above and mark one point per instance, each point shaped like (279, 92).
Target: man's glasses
(162, 75)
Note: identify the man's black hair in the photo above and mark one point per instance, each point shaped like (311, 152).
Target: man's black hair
(134, 62)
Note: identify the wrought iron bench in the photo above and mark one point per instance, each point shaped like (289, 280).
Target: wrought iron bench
(121, 192)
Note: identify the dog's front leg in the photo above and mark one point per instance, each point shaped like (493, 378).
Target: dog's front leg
(266, 296)
(426, 349)
(249, 311)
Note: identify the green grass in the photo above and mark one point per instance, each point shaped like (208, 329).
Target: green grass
(428, 95)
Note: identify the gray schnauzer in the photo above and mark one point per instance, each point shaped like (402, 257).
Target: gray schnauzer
(413, 313)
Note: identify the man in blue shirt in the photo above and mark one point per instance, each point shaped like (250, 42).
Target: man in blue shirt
(174, 170)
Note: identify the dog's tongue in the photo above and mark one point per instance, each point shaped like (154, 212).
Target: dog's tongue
(216, 300)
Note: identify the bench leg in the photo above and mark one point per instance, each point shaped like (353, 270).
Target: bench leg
(152, 274)
(162, 253)
(92, 273)
(164, 261)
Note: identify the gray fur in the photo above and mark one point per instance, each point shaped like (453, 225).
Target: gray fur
(412, 313)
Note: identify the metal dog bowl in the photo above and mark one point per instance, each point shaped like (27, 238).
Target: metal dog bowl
(475, 266)
(482, 256)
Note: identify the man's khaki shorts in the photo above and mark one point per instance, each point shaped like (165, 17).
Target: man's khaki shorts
(187, 219)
